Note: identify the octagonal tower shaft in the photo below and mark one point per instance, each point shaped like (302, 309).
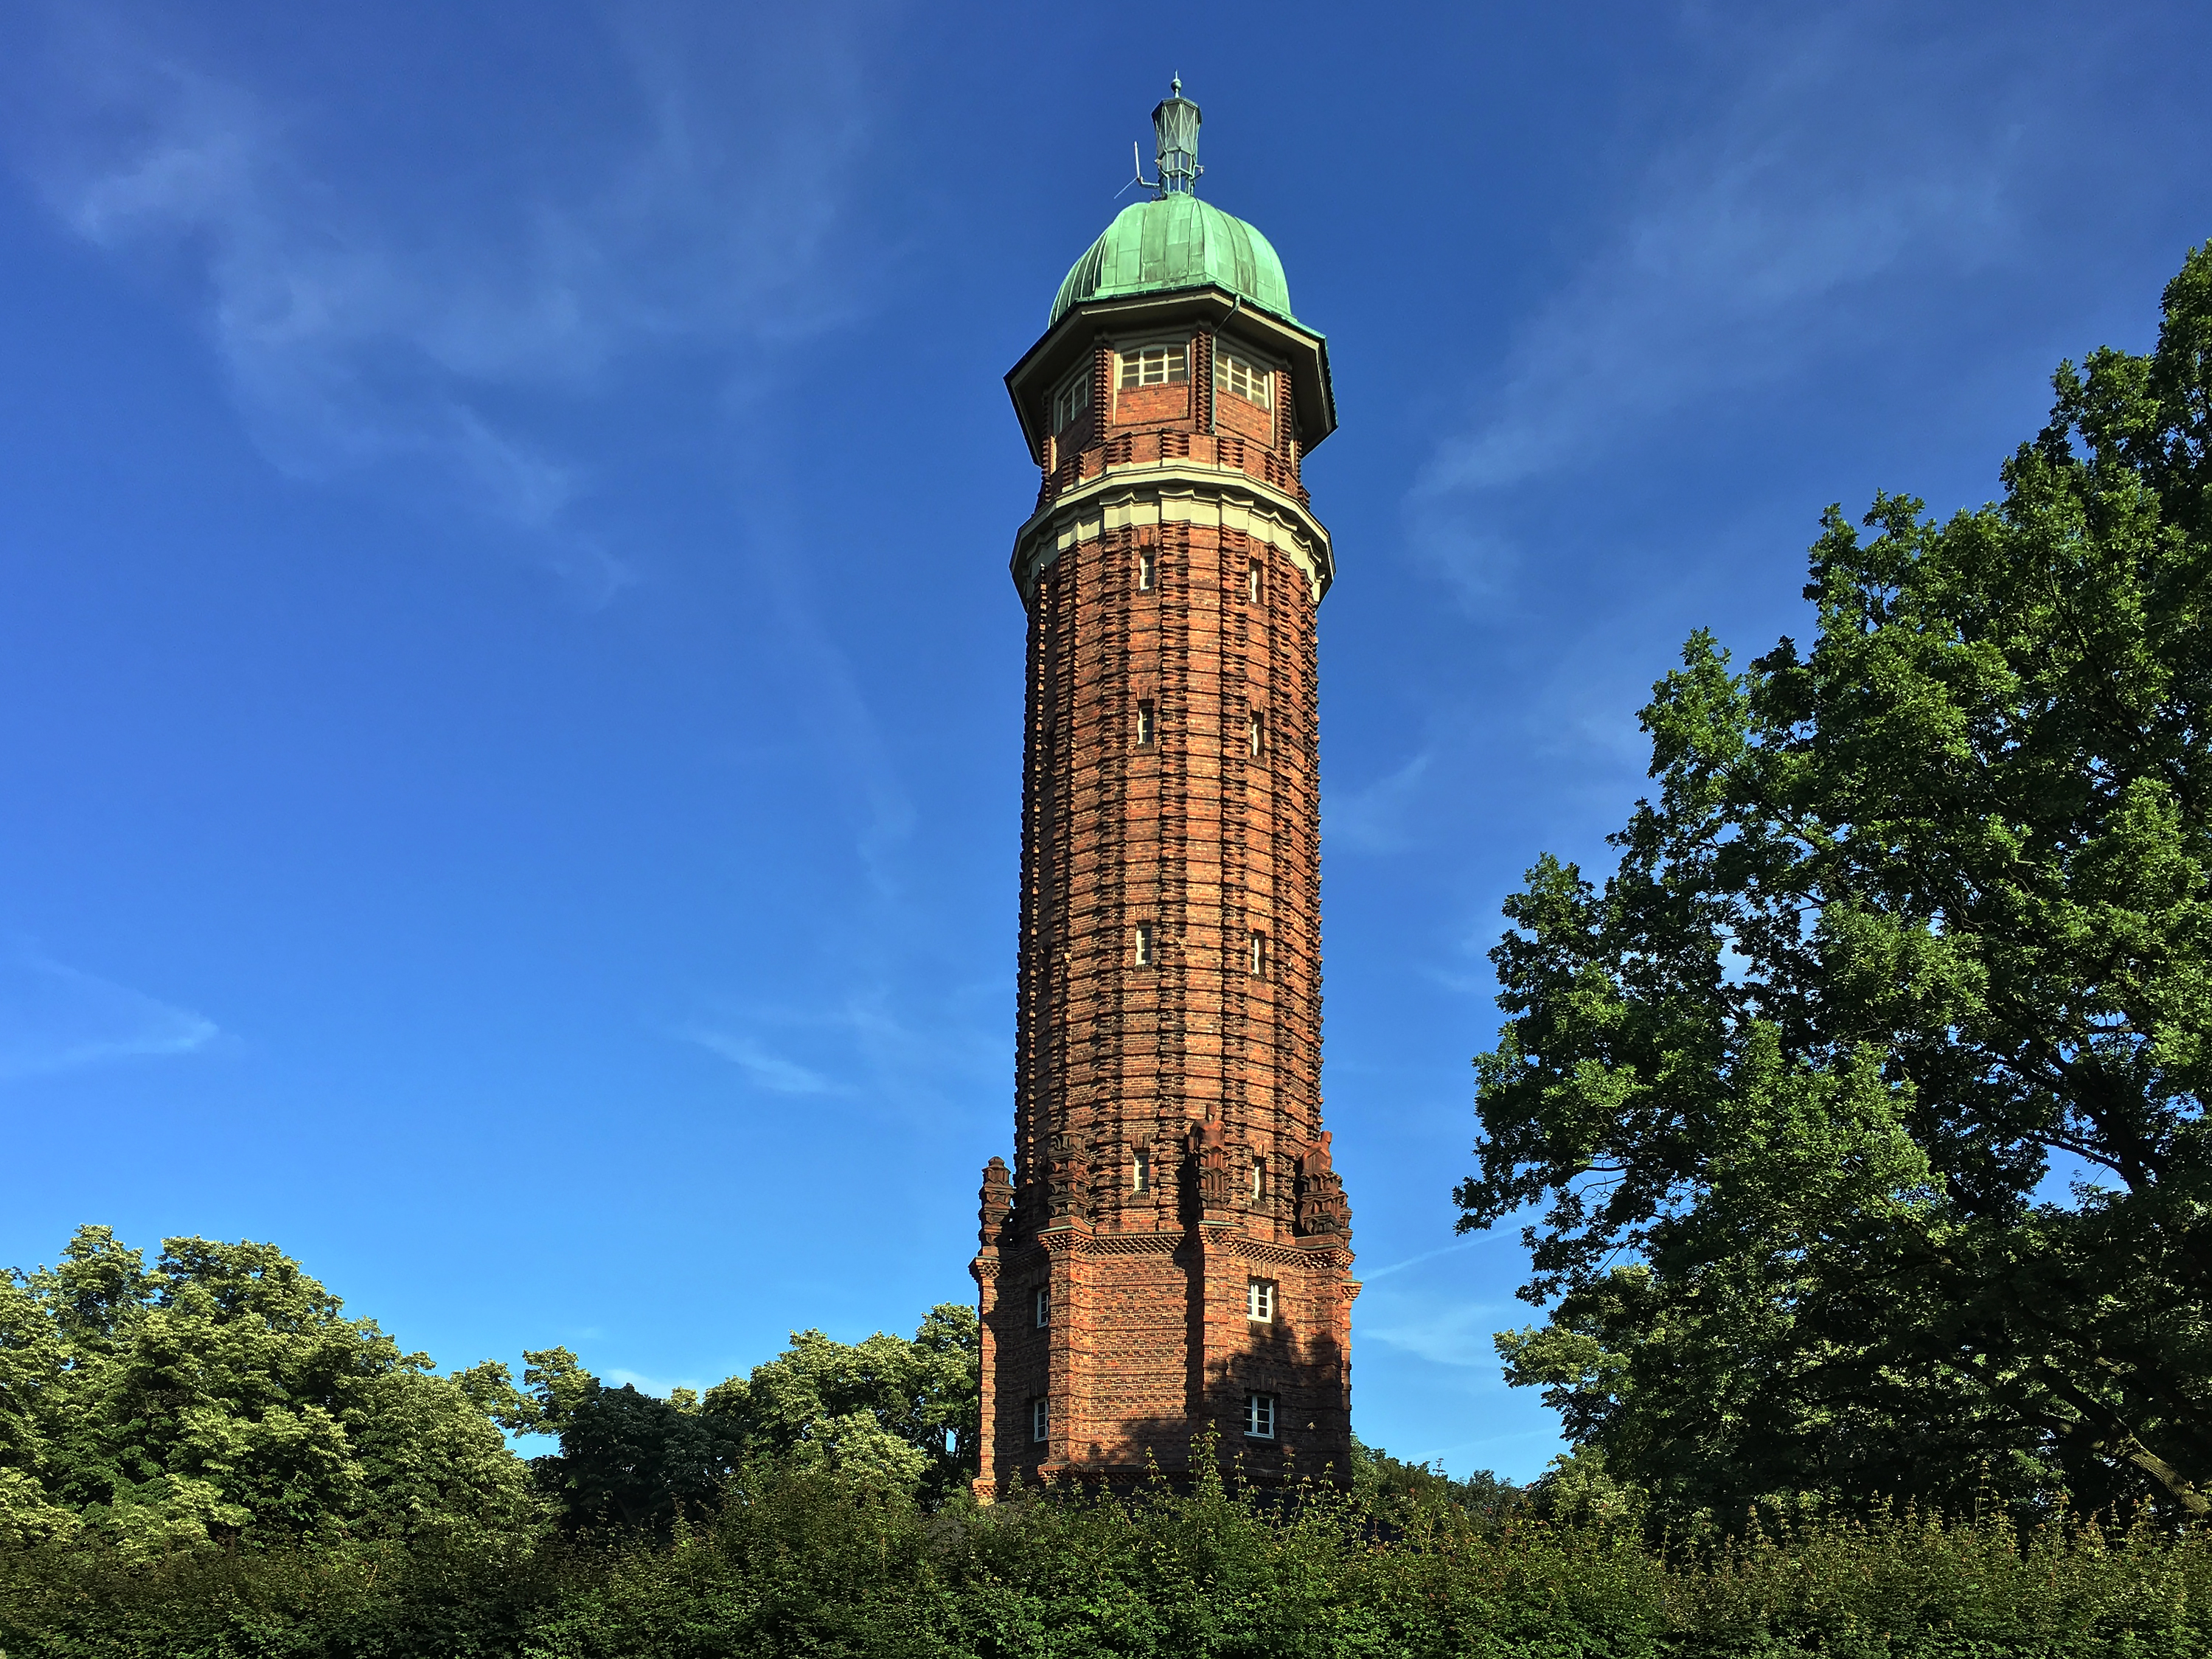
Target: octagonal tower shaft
(1170, 1253)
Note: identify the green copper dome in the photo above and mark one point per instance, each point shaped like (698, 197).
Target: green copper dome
(1174, 242)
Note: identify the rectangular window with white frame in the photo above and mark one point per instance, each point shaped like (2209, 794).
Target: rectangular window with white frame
(1258, 954)
(1241, 377)
(1259, 1416)
(1072, 399)
(1146, 722)
(1256, 734)
(1155, 365)
(1041, 1305)
(1259, 1301)
(1143, 945)
(1256, 581)
(1259, 1179)
(1041, 1419)
(1147, 572)
(1140, 1172)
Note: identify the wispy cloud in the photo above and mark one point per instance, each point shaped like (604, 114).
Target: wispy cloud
(868, 1047)
(1458, 1336)
(762, 1068)
(54, 1017)
(1782, 210)
(1375, 818)
(361, 332)
(1370, 1275)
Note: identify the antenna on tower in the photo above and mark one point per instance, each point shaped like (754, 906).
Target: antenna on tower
(1136, 160)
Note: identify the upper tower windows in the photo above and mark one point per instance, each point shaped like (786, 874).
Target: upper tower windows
(1156, 365)
(1242, 378)
(1073, 399)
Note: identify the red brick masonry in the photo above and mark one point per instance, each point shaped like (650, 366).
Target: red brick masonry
(1167, 1141)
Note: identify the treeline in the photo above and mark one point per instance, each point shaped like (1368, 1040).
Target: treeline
(221, 1396)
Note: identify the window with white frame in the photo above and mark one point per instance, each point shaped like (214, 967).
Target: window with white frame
(1144, 943)
(1140, 1172)
(1242, 378)
(1259, 1416)
(1259, 1179)
(1256, 581)
(1071, 400)
(1259, 1301)
(1256, 734)
(1041, 1305)
(1155, 365)
(1147, 573)
(1040, 1419)
(1258, 953)
(1144, 723)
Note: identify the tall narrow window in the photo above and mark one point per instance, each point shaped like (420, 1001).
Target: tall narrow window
(1041, 1419)
(1259, 1416)
(1041, 1304)
(1143, 945)
(1256, 734)
(1256, 581)
(1259, 1179)
(1071, 400)
(1145, 722)
(1259, 951)
(1140, 1172)
(1146, 573)
(1260, 1300)
(1162, 365)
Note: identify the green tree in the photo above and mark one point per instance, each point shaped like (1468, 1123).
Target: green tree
(885, 1413)
(1862, 1107)
(627, 1458)
(899, 1412)
(222, 1395)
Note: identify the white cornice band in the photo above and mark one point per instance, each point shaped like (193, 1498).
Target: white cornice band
(1176, 492)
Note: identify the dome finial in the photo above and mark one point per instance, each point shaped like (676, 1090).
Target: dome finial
(1174, 129)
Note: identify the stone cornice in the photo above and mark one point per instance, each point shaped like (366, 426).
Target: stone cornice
(1148, 492)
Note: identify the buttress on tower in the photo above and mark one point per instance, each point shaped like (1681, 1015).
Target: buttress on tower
(1170, 1252)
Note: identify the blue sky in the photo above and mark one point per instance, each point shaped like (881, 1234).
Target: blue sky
(509, 689)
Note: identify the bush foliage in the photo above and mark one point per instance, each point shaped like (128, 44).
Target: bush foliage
(800, 1559)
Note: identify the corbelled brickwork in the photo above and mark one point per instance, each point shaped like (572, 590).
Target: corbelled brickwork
(1171, 1239)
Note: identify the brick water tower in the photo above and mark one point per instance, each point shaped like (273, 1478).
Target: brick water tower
(1171, 1251)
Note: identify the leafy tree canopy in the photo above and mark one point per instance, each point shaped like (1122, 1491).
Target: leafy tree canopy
(221, 1393)
(1862, 1106)
(885, 1412)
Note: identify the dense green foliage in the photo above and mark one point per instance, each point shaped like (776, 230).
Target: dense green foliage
(1914, 913)
(897, 1414)
(221, 1396)
(803, 1561)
